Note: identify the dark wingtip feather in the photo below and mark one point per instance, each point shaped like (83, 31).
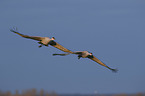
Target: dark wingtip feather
(14, 29)
(60, 54)
(114, 70)
(54, 54)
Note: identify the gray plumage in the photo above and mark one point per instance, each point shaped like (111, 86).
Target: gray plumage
(43, 41)
(86, 54)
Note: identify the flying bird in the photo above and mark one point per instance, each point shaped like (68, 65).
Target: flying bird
(43, 41)
(86, 54)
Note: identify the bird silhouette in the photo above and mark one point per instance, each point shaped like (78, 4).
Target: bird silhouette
(43, 41)
(86, 54)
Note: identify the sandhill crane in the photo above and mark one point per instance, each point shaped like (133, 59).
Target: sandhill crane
(86, 54)
(43, 41)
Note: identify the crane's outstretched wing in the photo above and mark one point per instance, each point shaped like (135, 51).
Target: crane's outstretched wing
(64, 54)
(101, 63)
(60, 47)
(26, 36)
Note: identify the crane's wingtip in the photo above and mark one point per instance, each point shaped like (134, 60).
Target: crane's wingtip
(14, 29)
(61, 54)
(114, 70)
(54, 54)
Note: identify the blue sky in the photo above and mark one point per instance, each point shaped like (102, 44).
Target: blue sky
(113, 30)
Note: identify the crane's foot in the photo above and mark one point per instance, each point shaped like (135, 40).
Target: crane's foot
(40, 46)
(79, 57)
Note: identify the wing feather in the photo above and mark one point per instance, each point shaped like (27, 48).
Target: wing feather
(101, 63)
(29, 37)
(61, 54)
(60, 47)
(78, 52)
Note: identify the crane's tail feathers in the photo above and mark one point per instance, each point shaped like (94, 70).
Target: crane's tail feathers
(61, 54)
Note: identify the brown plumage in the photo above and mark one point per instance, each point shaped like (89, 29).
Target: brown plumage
(58, 46)
(43, 41)
(86, 54)
(101, 63)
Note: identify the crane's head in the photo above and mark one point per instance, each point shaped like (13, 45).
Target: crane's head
(90, 55)
(52, 38)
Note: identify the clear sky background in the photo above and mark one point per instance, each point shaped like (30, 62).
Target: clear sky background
(113, 30)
